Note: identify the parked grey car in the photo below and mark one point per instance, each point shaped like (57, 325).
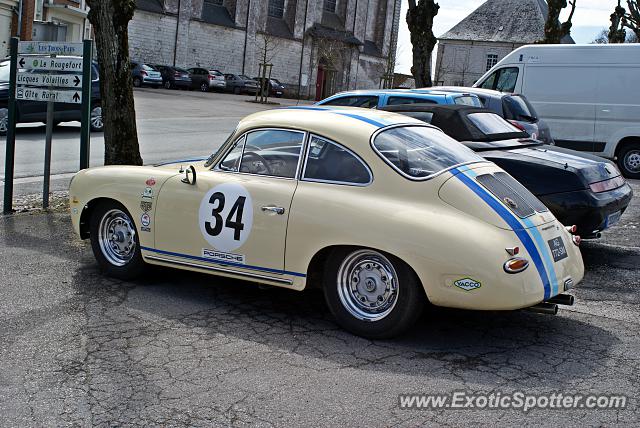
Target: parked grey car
(241, 84)
(205, 80)
(144, 74)
(513, 107)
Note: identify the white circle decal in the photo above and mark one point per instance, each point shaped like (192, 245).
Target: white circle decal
(226, 216)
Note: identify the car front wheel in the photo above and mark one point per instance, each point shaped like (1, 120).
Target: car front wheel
(629, 160)
(372, 294)
(114, 241)
(137, 82)
(95, 119)
(204, 87)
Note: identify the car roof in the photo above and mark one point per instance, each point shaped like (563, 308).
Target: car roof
(350, 126)
(422, 91)
(435, 107)
(475, 91)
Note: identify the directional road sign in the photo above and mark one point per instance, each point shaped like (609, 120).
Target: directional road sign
(55, 80)
(48, 63)
(55, 95)
(50, 48)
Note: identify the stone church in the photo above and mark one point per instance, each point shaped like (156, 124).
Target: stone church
(486, 36)
(316, 46)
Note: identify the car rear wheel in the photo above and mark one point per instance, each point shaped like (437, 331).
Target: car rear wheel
(204, 87)
(168, 85)
(114, 241)
(629, 160)
(4, 120)
(137, 82)
(237, 90)
(95, 119)
(372, 294)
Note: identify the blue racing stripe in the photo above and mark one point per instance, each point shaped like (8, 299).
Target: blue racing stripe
(548, 261)
(221, 262)
(511, 220)
(362, 118)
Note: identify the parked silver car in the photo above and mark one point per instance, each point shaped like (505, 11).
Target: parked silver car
(145, 74)
(513, 107)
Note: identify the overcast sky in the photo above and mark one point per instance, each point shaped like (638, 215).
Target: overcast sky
(590, 18)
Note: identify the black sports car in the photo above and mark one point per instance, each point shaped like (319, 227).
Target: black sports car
(580, 189)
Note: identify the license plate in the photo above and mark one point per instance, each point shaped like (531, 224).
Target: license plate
(612, 219)
(558, 251)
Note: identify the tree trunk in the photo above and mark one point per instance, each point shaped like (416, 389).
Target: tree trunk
(617, 33)
(554, 31)
(420, 22)
(110, 19)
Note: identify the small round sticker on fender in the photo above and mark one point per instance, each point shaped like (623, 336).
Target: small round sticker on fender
(226, 216)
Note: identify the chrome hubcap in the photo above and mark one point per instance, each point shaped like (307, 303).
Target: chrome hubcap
(96, 118)
(632, 160)
(4, 120)
(116, 236)
(367, 285)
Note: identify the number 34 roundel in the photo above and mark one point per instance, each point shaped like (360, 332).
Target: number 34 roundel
(226, 216)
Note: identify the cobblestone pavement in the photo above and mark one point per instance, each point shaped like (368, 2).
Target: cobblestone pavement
(174, 349)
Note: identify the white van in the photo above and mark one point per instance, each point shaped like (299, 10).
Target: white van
(588, 94)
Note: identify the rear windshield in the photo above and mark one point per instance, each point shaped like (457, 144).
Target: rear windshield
(516, 107)
(420, 152)
(468, 100)
(147, 67)
(492, 124)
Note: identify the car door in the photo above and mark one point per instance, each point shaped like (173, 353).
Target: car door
(236, 213)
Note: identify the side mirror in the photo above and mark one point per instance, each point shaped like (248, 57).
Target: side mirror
(189, 175)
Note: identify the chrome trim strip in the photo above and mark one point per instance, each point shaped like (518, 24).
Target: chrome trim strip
(217, 269)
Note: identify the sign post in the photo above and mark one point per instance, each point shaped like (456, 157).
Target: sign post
(51, 72)
(11, 130)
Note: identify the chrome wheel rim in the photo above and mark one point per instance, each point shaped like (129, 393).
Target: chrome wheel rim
(367, 285)
(167, 85)
(204, 87)
(4, 120)
(632, 160)
(116, 236)
(96, 118)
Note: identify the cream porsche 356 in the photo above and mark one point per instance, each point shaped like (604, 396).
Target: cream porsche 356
(382, 211)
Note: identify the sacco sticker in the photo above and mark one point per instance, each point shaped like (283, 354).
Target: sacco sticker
(226, 216)
(467, 284)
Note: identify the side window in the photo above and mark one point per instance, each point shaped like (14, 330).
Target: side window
(490, 81)
(364, 101)
(394, 101)
(231, 161)
(507, 79)
(272, 152)
(327, 161)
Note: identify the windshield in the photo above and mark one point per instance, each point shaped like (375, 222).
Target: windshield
(421, 152)
(147, 67)
(4, 71)
(245, 77)
(517, 107)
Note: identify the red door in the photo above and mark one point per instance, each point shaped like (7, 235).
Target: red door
(319, 83)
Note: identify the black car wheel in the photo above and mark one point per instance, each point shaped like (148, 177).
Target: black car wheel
(204, 87)
(114, 241)
(237, 90)
(168, 85)
(4, 120)
(372, 294)
(629, 160)
(137, 82)
(95, 119)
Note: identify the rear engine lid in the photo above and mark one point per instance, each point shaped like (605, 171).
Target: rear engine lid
(490, 194)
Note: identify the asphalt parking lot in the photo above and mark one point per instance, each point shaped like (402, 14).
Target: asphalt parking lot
(81, 349)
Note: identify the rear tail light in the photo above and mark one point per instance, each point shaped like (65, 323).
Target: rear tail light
(606, 185)
(144, 73)
(515, 265)
(176, 74)
(517, 125)
(572, 229)
(211, 77)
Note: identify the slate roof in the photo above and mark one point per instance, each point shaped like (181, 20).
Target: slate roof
(150, 5)
(511, 21)
(218, 15)
(322, 32)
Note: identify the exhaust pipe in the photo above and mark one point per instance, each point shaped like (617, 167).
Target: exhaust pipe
(544, 308)
(562, 299)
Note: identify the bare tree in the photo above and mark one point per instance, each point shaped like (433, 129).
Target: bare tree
(554, 31)
(461, 70)
(630, 19)
(267, 47)
(617, 33)
(110, 19)
(603, 38)
(420, 22)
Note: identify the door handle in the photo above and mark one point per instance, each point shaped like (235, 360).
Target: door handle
(273, 209)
